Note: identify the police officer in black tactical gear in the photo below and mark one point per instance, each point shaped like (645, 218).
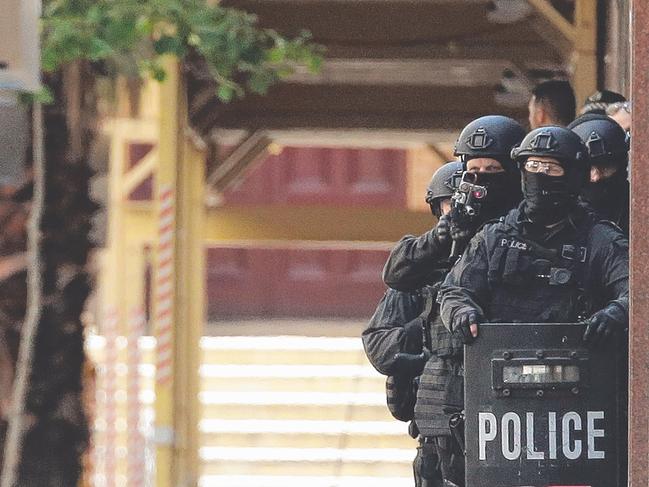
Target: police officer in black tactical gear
(418, 264)
(484, 147)
(607, 192)
(549, 260)
(397, 339)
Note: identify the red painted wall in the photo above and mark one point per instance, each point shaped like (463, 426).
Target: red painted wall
(325, 177)
(251, 280)
(293, 281)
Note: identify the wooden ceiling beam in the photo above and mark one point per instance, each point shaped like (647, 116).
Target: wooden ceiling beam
(243, 156)
(406, 72)
(396, 121)
(555, 28)
(442, 51)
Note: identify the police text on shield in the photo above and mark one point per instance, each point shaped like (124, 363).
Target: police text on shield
(563, 441)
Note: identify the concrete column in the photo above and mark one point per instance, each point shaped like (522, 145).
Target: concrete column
(639, 248)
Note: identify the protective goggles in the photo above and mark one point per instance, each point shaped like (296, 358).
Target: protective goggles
(548, 168)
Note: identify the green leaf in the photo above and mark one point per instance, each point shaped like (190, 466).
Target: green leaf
(159, 75)
(193, 40)
(169, 45)
(99, 49)
(144, 26)
(44, 96)
(130, 36)
(225, 93)
(276, 55)
(315, 64)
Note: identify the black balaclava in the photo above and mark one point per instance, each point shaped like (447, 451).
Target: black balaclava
(603, 193)
(503, 191)
(549, 199)
(546, 197)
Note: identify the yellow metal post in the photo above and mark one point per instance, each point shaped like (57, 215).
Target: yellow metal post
(190, 312)
(585, 50)
(164, 289)
(178, 290)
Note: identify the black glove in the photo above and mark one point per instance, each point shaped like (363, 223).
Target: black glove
(442, 231)
(603, 323)
(410, 364)
(462, 322)
(461, 229)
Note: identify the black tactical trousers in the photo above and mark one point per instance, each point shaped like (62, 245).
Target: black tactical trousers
(439, 463)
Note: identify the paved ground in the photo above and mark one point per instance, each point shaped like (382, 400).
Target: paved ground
(287, 326)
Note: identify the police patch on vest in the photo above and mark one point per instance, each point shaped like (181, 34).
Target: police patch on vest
(512, 243)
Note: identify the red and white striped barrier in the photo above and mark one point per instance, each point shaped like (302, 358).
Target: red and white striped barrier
(110, 402)
(135, 439)
(164, 286)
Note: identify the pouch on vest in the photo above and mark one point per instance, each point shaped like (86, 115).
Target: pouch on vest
(454, 392)
(401, 392)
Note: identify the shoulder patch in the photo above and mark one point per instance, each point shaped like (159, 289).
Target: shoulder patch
(512, 243)
(610, 224)
(605, 232)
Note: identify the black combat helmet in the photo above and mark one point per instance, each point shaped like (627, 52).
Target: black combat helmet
(606, 141)
(563, 145)
(442, 185)
(552, 141)
(491, 136)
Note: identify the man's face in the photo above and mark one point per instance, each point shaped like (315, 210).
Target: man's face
(623, 118)
(531, 107)
(484, 165)
(601, 172)
(445, 206)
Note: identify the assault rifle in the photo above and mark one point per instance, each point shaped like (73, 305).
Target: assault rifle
(466, 202)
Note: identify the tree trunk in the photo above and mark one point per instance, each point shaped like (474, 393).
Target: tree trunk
(56, 429)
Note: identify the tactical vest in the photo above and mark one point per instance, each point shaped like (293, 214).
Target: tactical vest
(401, 390)
(530, 283)
(440, 392)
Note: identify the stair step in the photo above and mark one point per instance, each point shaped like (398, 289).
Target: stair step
(295, 384)
(326, 378)
(292, 405)
(306, 434)
(319, 412)
(238, 350)
(282, 411)
(307, 440)
(302, 480)
(283, 405)
(360, 455)
(308, 398)
(282, 350)
(307, 461)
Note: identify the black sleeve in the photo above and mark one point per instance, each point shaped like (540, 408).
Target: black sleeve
(466, 286)
(609, 265)
(413, 261)
(396, 326)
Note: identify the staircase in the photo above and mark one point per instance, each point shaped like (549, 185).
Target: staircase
(291, 411)
(298, 411)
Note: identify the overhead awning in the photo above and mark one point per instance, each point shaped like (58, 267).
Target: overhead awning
(401, 65)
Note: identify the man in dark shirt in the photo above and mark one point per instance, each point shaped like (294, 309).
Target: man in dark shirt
(552, 103)
(397, 339)
(408, 320)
